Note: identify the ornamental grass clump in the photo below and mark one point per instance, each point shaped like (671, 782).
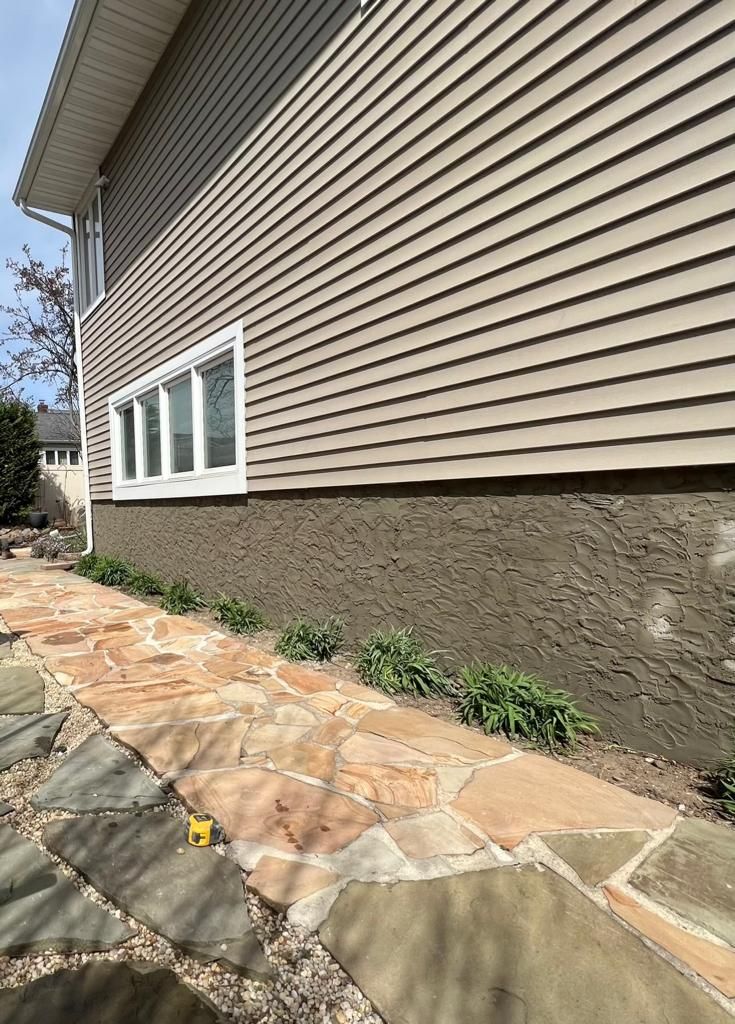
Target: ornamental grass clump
(724, 780)
(310, 641)
(501, 699)
(111, 571)
(239, 616)
(145, 584)
(395, 661)
(180, 598)
(86, 565)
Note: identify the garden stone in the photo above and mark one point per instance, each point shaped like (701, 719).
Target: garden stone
(144, 865)
(5, 808)
(6, 647)
(513, 945)
(98, 777)
(107, 993)
(28, 736)
(21, 691)
(40, 909)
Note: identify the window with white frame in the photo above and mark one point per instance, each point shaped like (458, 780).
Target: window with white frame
(62, 457)
(180, 430)
(90, 258)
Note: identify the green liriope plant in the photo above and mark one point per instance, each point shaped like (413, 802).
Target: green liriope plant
(145, 584)
(310, 641)
(395, 661)
(238, 616)
(502, 699)
(86, 565)
(111, 571)
(180, 597)
(724, 780)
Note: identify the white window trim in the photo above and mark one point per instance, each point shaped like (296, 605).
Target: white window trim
(92, 197)
(201, 482)
(61, 465)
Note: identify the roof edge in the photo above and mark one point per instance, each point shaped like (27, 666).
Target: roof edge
(74, 36)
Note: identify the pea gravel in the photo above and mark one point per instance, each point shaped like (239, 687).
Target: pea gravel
(309, 987)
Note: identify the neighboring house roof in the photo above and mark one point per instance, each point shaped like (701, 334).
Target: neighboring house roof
(108, 54)
(56, 426)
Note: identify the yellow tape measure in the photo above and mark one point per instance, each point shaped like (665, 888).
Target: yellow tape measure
(204, 830)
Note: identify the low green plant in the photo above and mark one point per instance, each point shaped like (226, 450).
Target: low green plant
(111, 571)
(180, 597)
(145, 584)
(395, 661)
(239, 616)
(76, 541)
(87, 565)
(724, 780)
(310, 641)
(502, 699)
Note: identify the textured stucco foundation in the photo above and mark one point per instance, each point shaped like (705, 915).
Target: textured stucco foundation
(617, 587)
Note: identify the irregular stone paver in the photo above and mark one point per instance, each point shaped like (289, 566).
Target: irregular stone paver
(305, 759)
(281, 883)
(5, 808)
(263, 737)
(432, 835)
(107, 993)
(153, 703)
(529, 794)
(98, 777)
(390, 784)
(200, 745)
(144, 865)
(471, 950)
(41, 909)
(715, 963)
(446, 743)
(21, 691)
(597, 855)
(265, 807)
(693, 873)
(28, 736)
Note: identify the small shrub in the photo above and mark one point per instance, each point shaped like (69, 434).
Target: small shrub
(180, 598)
(111, 571)
(49, 547)
(145, 584)
(502, 699)
(310, 641)
(724, 780)
(38, 547)
(86, 565)
(239, 616)
(395, 662)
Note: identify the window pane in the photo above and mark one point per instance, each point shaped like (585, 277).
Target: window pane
(182, 437)
(99, 268)
(73, 458)
(51, 458)
(62, 456)
(127, 431)
(219, 415)
(150, 409)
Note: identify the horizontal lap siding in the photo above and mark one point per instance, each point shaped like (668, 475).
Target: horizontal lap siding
(465, 240)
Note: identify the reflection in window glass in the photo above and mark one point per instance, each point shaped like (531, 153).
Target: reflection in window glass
(151, 413)
(182, 436)
(127, 431)
(73, 458)
(219, 415)
(62, 456)
(51, 457)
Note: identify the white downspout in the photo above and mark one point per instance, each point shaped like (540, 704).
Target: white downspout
(50, 222)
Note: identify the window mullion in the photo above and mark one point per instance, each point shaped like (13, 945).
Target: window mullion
(91, 264)
(197, 419)
(165, 432)
(138, 424)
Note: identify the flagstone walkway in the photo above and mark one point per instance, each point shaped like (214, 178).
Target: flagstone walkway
(319, 783)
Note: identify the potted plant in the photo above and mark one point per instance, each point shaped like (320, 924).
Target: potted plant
(38, 519)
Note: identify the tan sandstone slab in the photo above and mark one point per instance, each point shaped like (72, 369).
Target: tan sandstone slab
(714, 963)
(332, 733)
(200, 745)
(432, 835)
(270, 735)
(275, 810)
(444, 742)
(365, 748)
(305, 680)
(305, 759)
(171, 627)
(157, 702)
(389, 784)
(240, 691)
(280, 883)
(80, 668)
(531, 793)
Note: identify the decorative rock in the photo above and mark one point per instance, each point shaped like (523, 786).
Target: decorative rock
(41, 909)
(287, 814)
(596, 855)
(715, 963)
(28, 736)
(283, 882)
(113, 993)
(21, 691)
(432, 835)
(467, 950)
(528, 794)
(194, 898)
(692, 873)
(98, 777)
(5, 808)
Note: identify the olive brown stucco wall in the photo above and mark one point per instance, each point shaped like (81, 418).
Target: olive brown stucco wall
(617, 587)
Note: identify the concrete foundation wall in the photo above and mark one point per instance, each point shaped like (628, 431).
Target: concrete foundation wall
(617, 587)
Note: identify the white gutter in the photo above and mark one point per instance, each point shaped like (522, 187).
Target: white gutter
(50, 222)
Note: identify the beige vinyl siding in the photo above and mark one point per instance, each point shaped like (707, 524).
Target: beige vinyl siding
(464, 239)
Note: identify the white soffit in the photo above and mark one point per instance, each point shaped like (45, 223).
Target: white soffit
(108, 54)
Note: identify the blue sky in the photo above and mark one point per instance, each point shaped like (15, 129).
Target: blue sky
(30, 36)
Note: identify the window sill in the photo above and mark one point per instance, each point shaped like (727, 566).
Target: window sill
(232, 481)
